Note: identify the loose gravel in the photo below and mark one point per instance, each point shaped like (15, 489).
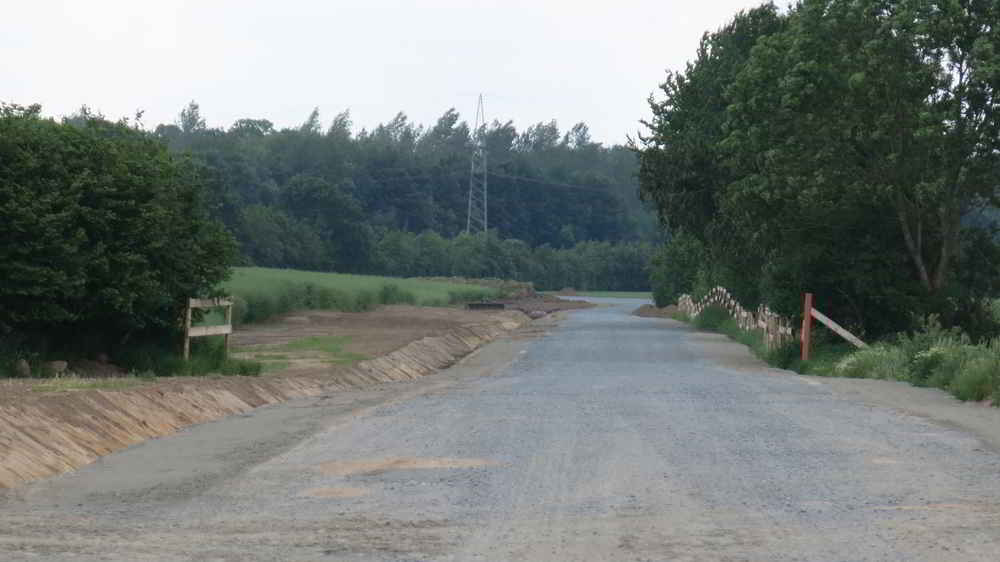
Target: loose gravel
(606, 437)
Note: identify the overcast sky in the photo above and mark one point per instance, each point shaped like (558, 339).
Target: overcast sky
(569, 60)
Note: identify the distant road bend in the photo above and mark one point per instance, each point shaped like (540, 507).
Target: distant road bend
(607, 437)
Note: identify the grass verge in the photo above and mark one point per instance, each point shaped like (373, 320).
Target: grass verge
(261, 293)
(328, 349)
(74, 383)
(332, 346)
(208, 356)
(929, 357)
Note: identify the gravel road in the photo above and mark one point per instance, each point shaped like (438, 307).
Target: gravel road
(603, 437)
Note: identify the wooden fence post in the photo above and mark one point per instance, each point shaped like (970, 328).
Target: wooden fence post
(229, 322)
(806, 325)
(187, 331)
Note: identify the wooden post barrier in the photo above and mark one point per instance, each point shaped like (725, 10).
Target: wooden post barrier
(806, 325)
(201, 331)
(838, 329)
(808, 313)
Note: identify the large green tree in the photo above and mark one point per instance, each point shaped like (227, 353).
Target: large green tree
(842, 152)
(105, 233)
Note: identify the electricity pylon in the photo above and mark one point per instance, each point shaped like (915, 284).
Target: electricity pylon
(478, 214)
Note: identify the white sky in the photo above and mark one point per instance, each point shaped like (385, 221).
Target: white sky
(584, 60)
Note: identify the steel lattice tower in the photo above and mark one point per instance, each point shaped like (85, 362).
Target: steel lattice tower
(478, 215)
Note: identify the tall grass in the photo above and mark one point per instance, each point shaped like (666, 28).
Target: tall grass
(208, 356)
(147, 358)
(262, 293)
(931, 356)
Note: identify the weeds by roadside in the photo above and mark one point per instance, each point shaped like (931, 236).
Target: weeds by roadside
(262, 293)
(75, 383)
(930, 357)
(258, 306)
(208, 355)
(139, 360)
(328, 349)
(716, 319)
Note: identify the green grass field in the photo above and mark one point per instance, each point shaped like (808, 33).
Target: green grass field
(249, 280)
(264, 292)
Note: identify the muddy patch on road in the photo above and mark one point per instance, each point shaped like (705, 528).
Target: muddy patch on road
(379, 466)
(336, 493)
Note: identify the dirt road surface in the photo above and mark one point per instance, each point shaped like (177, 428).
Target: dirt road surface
(603, 437)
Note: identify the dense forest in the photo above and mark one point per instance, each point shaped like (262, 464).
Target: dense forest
(390, 200)
(842, 147)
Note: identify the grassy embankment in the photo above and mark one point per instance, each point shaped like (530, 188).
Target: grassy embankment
(260, 294)
(930, 357)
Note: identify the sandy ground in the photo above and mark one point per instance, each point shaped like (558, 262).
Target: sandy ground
(603, 437)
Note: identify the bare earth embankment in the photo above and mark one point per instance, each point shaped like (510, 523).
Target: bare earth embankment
(47, 433)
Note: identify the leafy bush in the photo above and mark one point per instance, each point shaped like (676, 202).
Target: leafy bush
(954, 360)
(879, 361)
(930, 333)
(712, 318)
(392, 294)
(364, 300)
(208, 356)
(784, 356)
(977, 380)
(674, 268)
(461, 296)
(241, 367)
(105, 234)
(932, 357)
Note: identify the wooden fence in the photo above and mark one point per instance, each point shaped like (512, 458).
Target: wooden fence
(777, 329)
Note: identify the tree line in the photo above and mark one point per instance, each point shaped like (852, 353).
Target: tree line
(849, 148)
(593, 265)
(326, 198)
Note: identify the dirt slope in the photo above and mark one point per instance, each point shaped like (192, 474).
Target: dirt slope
(47, 434)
